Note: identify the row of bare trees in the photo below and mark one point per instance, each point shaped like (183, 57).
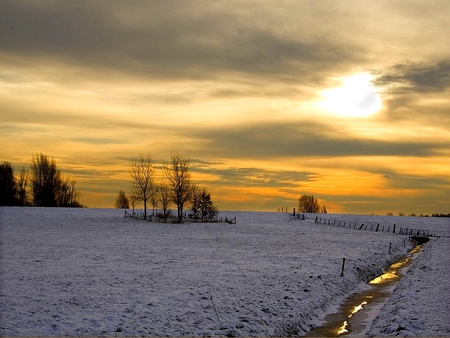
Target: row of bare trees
(176, 189)
(47, 188)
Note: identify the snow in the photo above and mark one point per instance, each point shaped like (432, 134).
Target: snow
(91, 272)
(420, 306)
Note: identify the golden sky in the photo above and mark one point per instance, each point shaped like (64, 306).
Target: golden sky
(346, 100)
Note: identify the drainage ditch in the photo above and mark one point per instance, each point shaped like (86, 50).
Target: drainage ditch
(355, 315)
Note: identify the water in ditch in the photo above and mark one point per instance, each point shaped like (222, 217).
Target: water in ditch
(357, 312)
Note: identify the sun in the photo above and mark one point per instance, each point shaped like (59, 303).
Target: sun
(357, 97)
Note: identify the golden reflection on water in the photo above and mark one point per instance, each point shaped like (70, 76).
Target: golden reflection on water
(343, 328)
(385, 277)
(391, 274)
(358, 308)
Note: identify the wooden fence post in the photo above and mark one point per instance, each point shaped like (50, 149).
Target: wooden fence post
(393, 230)
(377, 227)
(343, 264)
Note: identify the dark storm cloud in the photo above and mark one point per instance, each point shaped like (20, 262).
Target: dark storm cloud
(162, 39)
(277, 140)
(415, 77)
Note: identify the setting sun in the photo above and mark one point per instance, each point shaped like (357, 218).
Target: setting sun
(355, 98)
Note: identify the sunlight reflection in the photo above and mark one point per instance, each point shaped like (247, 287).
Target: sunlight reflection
(343, 328)
(385, 277)
(357, 308)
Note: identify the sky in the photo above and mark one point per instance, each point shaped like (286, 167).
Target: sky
(348, 101)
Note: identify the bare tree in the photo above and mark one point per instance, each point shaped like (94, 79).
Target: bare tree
(154, 200)
(22, 182)
(179, 177)
(122, 201)
(45, 181)
(134, 201)
(308, 204)
(196, 196)
(67, 195)
(163, 197)
(141, 175)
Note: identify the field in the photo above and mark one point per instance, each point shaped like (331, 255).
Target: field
(91, 272)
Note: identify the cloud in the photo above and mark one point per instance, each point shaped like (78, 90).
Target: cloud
(233, 83)
(306, 139)
(165, 41)
(255, 177)
(416, 77)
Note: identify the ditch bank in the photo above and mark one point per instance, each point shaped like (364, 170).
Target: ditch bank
(355, 314)
(334, 290)
(420, 304)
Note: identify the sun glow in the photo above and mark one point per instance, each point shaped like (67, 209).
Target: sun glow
(355, 98)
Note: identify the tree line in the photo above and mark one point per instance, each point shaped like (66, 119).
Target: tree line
(41, 185)
(176, 189)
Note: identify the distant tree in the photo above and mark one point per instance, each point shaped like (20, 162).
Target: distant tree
(196, 195)
(164, 200)
(8, 189)
(67, 195)
(401, 214)
(134, 201)
(48, 187)
(45, 181)
(202, 205)
(141, 174)
(154, 200)
(389, 214)
(179, 178)
(440, 215)
(22, 182)
(323, 210)
(122, 201)
(308, 204)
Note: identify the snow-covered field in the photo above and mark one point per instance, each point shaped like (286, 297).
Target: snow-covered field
(91, 272)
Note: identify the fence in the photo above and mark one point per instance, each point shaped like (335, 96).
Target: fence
(159, 218)
(136, 215)
(300, 217)
(377, 227)
(415, 232)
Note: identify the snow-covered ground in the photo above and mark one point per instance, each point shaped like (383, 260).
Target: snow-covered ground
(91, 272)
(420, 306)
